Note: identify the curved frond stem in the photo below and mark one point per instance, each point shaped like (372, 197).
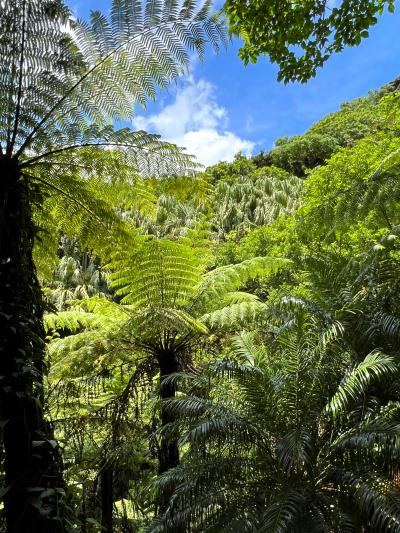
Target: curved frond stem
(67, 195)
(90, 71)
(10, 96)
(33, 160)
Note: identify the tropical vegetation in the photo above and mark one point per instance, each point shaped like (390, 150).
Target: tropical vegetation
(188, 349)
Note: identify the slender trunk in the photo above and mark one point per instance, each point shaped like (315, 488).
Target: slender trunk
(106, 487)
(92, 504)
(169, 452)
(32, 464)
(83, 514)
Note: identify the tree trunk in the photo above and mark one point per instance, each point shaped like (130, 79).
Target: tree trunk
(106, 487)
(169, 452)
(83, 514)
(32, 465)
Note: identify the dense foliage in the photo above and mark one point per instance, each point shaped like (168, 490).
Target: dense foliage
(66, 168)
(190, 351)
(236, 369)
(301, 36)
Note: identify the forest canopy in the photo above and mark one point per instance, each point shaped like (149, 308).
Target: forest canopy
(301, 36)
(188, 349)
(250, 334)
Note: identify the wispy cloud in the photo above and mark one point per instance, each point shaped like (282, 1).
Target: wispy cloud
(196, 121)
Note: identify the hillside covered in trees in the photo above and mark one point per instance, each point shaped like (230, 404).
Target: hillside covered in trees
(237, 366)
(187, 349)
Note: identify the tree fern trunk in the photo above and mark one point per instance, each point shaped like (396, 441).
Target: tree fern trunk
(168, 455)
(106, 487)
(32, 467)
(169, 452)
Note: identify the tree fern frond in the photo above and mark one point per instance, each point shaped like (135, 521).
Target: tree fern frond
(229, 278)
(236, 315)
(161, 274)
(72, 321)
(153, 321)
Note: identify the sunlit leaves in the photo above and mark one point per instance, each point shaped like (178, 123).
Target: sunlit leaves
(300, 36)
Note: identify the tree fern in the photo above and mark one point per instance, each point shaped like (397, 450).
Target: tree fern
(63, 83)
(165, 292)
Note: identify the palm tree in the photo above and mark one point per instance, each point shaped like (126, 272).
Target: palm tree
(62, 84)
(169, 304)
(288, 441)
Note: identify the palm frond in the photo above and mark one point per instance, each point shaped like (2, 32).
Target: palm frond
(375, 365)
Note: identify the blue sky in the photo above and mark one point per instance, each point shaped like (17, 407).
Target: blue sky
(222, 107)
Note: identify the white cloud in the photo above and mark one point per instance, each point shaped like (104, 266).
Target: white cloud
(196, 121)
(210, 146)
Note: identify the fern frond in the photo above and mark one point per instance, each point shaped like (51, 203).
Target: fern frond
(235, 316)
(65, 81)
(71, 321)
(375, 366)
(229, 278)
(160, 274)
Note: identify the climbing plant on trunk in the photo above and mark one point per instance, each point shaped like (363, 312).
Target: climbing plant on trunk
(31, 459)
(62, 85)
